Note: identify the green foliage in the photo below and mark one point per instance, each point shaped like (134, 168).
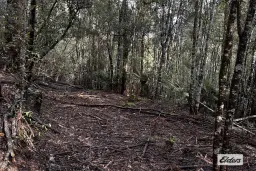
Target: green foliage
(209, 95)
(101, 79)
(130, 104)
(172, 139)
(28, 114)
(132, 98)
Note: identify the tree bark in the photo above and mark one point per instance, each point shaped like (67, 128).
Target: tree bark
(12, 26)
(191, 99)
(223, 84)
(31, 57)
(166, 31)
(16, 52)
(142, 52)
(110, 57)
(204, 59)
(126, 46)
(237, 76)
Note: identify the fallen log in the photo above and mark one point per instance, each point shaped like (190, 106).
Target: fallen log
(141, 110)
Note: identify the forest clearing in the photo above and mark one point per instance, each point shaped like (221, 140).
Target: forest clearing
(128, 85)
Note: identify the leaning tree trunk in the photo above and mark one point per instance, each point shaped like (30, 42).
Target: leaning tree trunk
(244, 37)
(223, 84)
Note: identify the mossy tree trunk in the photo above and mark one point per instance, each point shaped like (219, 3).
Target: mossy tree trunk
(223, 84)
(244, 36)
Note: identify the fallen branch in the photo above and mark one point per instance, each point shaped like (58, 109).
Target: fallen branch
(245, 118)
(192, 166)
(142, 110)
(246, 130)
(145, 148)
(204, 158)
(207, 107)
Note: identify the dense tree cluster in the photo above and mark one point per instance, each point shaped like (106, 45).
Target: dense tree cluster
(203, 51)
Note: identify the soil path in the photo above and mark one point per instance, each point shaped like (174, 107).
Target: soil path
(107, 138)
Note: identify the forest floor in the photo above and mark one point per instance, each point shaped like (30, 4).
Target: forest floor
(96, 131)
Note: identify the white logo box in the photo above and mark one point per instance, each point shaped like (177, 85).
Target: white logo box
(230, 159)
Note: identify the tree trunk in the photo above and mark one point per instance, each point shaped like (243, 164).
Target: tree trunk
(204, 59)
(31, 57)
(223, 84)
(166, 31)
(193, 61)
(251, 84)
(110, 57)
(142, 51)
(16, 51)
(244, 37)
(126, 45)
(12, 26)
(253, 98)
(119, 51)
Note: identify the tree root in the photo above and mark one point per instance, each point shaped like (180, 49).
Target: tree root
(9, 156)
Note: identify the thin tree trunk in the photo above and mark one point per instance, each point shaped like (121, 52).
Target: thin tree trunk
(203, 62)
(110, 57)
(142, 52)
(31, 57)
(12, 48)
(193, 60)
(126, 46)
(223, 84)
(166, 31)
(159, 71)
(119, 51)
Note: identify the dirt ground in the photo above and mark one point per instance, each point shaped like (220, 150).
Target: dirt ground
(87, 137)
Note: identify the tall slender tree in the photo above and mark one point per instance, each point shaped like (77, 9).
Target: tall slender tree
(223, 84)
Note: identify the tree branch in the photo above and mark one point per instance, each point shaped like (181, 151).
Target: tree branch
(239, 25)
(71, 21)
(47, 19)
(141, 110)
(245, 118)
